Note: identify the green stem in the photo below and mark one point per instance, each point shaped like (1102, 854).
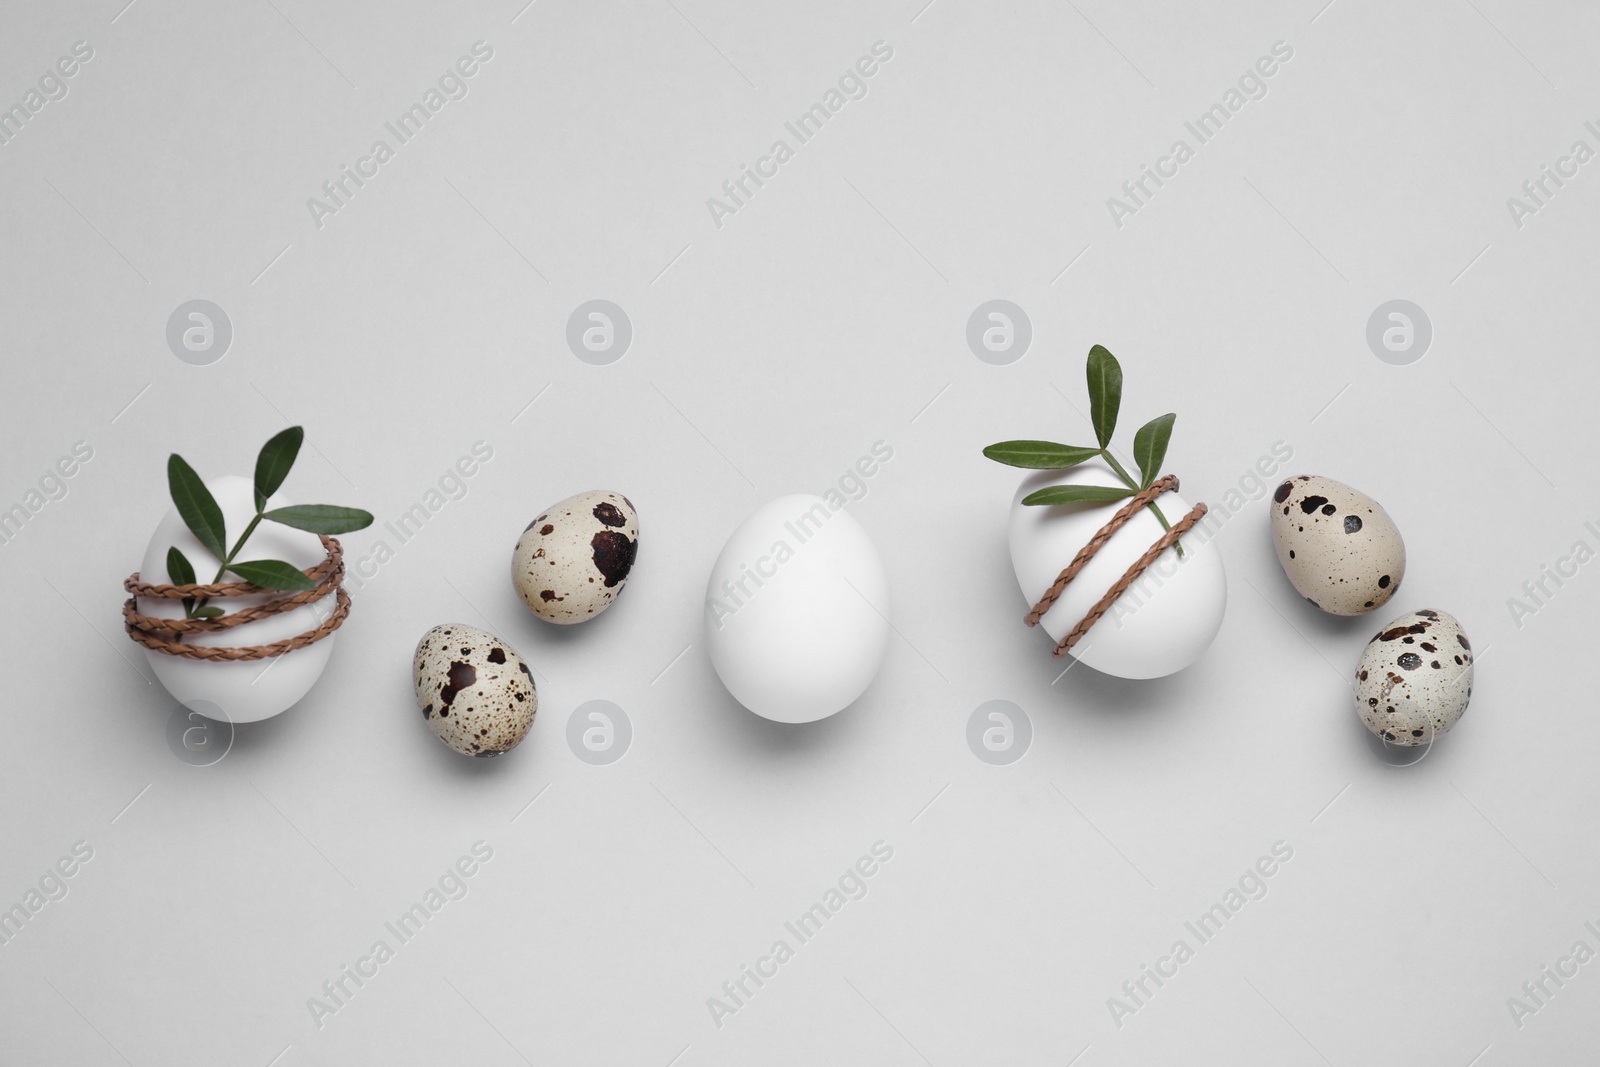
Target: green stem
(237, 545)
(1128, 481)
(222, 570)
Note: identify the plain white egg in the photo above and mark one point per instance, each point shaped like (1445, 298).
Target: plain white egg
(1163, 622)
(797, 610)
(242, 690)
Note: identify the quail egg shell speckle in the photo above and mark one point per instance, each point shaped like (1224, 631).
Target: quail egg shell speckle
(475, 691)
(1339, 548)
(572, 561)
(1415, 678)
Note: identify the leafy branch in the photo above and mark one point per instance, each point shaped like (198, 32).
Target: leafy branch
(202, 515)
(1105, 400)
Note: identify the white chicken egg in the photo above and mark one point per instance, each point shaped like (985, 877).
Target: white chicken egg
(797, 610)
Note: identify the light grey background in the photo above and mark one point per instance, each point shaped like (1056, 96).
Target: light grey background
(768, 354)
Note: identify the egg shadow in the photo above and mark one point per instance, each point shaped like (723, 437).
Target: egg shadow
(201, 740)
(272, 734)
(1097, 693)
(531, 633)
(767, 740)
(1104, 694)
(1390, 754)
(464, 768)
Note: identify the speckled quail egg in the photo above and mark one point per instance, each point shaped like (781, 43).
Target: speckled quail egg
(1415, 678)
(573, 560)
(475, 691)
(1338, 546)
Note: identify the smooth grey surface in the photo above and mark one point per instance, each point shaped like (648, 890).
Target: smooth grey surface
(767, 354)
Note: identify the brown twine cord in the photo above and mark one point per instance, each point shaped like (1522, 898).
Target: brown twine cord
(1166, 483)
(165, 635)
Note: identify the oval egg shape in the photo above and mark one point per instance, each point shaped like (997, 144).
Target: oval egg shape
(1415, 678)
(1339, 548)
(797, 610)
(238, 690)
(1163, 622)
(474, 689)
(572, 562)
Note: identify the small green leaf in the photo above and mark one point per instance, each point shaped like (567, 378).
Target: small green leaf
(196, 506)
(1039, 455)
(272, 574)
(209, 612)
(1150, 446)
(321, 518)
(1077, 494)
(273, 464)
(180, 572)
(1105, 393)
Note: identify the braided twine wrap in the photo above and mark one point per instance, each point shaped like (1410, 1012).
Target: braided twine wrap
(1166, 483)
(166, 635)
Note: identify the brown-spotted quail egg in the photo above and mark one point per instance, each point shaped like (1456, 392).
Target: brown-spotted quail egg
(573, 560)
(1415, 678)
(1338, 546)
(475, 691)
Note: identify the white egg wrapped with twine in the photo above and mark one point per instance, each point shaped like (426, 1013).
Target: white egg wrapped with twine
(1162, 622)
(245, 690)
(250, 642)
(1135, 591)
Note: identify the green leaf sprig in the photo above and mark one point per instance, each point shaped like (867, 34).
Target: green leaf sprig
(1105, 400)
(200, 512)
